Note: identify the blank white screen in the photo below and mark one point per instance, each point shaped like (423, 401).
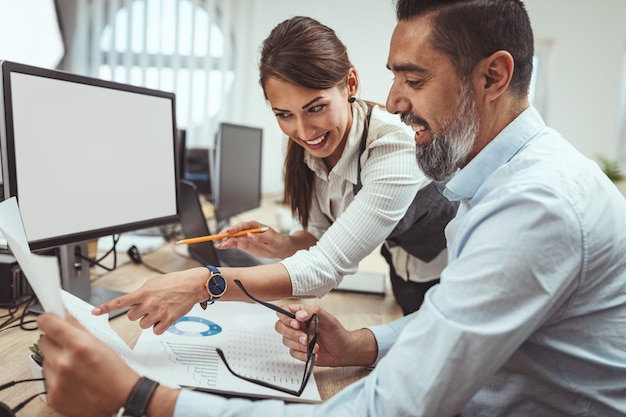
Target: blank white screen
(90, 158)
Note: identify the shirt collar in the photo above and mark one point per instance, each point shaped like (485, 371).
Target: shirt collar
(500, 150)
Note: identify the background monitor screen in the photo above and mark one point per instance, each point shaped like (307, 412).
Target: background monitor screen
(85, 157)
(236, 177)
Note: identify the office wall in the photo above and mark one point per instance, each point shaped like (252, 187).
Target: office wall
(589, 49)
(353, 20)
(589, 43)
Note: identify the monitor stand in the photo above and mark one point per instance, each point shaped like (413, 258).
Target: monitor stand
(75, 279)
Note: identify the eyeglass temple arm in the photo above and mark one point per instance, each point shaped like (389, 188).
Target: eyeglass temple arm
(266, 304)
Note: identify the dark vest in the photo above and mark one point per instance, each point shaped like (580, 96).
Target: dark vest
(421, 231)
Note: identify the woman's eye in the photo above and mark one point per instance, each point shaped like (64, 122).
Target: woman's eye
(282, 115)
(318, 108)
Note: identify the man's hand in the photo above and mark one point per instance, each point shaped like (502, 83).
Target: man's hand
(86, 377)
(83, 375)
(335, 345)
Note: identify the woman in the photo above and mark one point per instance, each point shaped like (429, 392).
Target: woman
(300, 58)
(350, 178)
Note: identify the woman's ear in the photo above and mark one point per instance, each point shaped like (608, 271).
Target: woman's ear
(353, 82)
(495, 73)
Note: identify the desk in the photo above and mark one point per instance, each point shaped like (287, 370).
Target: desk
(353, 310)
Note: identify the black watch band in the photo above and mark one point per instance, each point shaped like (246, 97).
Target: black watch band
(139, 398)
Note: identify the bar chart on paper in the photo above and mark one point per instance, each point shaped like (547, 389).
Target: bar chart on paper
(186, 354)
(200, 361)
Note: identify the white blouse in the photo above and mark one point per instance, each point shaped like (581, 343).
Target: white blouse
(349, 227)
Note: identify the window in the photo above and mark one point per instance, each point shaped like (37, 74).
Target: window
(622, 116)
(543, 69)
(172, 45)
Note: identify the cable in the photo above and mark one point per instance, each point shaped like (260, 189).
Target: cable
(25, 312)
(22, 323)
(96, 262)
(11, 317)
(135, 256)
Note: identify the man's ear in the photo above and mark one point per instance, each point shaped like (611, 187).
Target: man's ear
(495, 73)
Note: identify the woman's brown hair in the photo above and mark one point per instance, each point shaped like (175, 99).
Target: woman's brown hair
(304, 52)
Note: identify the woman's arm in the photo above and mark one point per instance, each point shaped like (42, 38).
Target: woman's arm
(163, 299)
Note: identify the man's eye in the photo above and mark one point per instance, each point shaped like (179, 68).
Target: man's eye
(414, 83)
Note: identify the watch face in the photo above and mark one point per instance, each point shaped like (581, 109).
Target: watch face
(217, 285)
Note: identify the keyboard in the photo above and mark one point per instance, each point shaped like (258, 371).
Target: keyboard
(234, 257)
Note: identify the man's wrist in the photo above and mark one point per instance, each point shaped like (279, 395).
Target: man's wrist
(163, 403)
(139, 398)
(366, 352)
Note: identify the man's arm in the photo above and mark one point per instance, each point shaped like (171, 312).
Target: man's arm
(82, 373)
(335, 345)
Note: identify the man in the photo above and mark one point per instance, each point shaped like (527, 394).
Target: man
(528, 319)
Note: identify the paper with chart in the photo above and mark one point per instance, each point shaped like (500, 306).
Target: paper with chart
(185, 354)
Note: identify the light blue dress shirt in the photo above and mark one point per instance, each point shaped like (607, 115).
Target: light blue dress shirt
(530, 315)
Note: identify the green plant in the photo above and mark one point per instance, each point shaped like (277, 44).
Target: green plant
(610, 168)
(36, 354)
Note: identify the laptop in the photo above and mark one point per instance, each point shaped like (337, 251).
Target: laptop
(194, 224)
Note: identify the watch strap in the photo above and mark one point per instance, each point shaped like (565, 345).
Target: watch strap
(139, 398)
(211, 299)
(213, 269)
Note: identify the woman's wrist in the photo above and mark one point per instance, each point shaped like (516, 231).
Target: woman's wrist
(201, 276)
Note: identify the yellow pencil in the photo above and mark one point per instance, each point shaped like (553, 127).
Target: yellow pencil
(220, 236)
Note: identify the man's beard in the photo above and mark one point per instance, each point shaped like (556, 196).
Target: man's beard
(447, 150)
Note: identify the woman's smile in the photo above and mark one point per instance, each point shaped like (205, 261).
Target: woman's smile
(319, 142)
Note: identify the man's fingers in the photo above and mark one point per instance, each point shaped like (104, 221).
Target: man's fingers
(57, 330)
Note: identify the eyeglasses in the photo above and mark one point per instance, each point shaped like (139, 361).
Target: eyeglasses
(312, 328)
(5, 410)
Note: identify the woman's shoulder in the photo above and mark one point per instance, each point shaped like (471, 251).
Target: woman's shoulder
(386, 125)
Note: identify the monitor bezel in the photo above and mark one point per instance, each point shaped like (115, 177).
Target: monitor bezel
(8, 155)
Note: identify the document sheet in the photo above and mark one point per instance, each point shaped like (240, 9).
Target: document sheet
(185, 354)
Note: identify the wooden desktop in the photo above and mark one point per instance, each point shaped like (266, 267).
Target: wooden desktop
(354, 310)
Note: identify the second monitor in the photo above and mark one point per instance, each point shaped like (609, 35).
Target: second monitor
(236, 175)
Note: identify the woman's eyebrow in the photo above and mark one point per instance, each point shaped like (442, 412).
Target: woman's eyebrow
(310, 103)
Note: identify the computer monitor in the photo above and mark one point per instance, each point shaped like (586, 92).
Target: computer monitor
(85, 158)
(181, 152)
(236, 179)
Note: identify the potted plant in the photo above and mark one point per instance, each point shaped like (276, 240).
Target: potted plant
(612, 170)
(35, 359)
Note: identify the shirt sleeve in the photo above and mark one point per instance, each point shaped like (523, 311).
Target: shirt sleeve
(387, 334)
(469, 325)
(390, 178)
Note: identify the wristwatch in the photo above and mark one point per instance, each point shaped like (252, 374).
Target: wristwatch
(138, 399)
(215, 286)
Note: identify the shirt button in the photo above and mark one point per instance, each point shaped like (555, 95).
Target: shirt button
(466, 203)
